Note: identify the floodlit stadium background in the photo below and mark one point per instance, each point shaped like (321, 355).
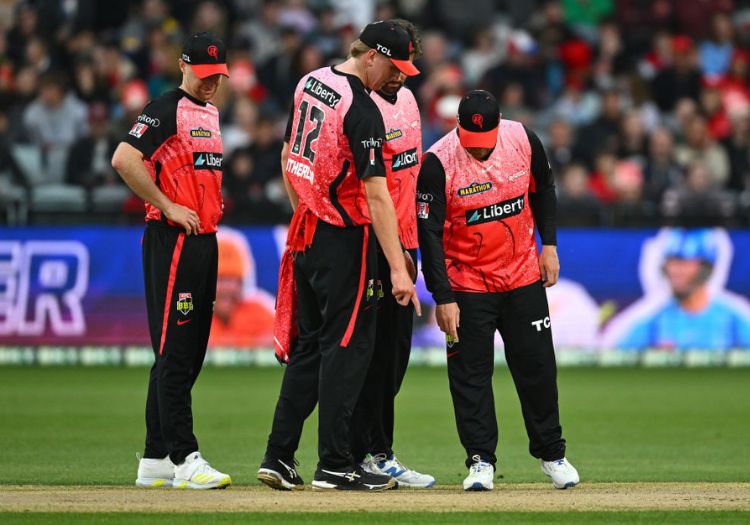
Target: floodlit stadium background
(643, 107)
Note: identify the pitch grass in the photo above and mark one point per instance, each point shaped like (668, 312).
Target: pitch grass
(85, 425)
(516, 518)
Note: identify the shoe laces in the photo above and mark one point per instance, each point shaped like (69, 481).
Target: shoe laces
(292, 470)
(478, 465)
(558, 464)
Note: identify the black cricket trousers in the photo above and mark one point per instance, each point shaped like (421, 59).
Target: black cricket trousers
(372, 427)
(522, 318)
(180, 279)
(328, 277)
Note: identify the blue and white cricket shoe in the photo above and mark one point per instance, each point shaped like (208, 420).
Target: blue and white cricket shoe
(563, 474)
(481, 475)
(391, 466)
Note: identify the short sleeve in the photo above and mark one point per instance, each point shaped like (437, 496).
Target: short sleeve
(156, 123)
(365, 130)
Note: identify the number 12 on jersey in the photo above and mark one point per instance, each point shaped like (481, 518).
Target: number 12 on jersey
(316, 115)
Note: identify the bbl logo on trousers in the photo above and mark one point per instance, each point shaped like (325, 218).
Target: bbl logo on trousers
(185, 303)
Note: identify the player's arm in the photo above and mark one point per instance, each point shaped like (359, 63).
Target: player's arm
(156, 124)
(543, 202)
(363, 126)
(293, 197)
(431, 204)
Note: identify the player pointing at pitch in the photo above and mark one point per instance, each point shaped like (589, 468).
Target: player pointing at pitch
(482, 188)
(325, 317)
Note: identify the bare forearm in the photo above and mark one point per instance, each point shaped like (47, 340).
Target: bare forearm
(134, 173)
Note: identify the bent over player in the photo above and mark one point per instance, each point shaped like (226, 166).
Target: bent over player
(172, 159)
(372, 427)
(482, 188)
(325, 316)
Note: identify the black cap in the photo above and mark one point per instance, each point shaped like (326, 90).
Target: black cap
(478, 119)
(393, 41)
(206, 54)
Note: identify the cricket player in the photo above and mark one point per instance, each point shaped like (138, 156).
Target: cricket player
(372, 429)
(481, 190)
(325, 319)
(172, 159)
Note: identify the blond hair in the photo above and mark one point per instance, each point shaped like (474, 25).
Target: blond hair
(358, 48)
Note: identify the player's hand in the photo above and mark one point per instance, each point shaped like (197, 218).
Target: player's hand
(184, 217)
(410, 266)
(549, 265)
(449, 318)
(404, 290)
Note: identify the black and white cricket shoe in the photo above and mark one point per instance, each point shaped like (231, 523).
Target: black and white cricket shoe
(357, 479)
(280, 474)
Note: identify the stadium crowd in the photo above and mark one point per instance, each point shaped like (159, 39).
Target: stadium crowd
(643, 106)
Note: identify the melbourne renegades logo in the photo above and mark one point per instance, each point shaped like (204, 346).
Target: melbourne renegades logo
(478, 120)
(213, 51)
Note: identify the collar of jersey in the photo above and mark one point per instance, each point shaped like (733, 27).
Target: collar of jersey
(191, 98)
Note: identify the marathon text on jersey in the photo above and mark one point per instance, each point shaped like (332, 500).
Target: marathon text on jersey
(405, 159)
(474, 188)
(300, 169)
(495, 212)
(393, 134)
(320, 91)
(200, 133)
(207, 161)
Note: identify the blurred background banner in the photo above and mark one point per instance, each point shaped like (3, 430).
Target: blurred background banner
(667, 289)
(643, 109)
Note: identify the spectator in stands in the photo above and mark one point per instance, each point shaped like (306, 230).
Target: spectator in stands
(629, 209)
(680, 79)
(715, 53)
(576, 205)
(699, 145)
(601, 182)
(737, 146)
(56, 118)
(661, 170)
(559, 145)
(698, 201)
(90, 159)
(276, 73)
(603, 133)
(632, 141)
(712, 107)
(517, 68)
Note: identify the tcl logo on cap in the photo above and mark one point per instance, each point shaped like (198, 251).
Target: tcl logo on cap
(383, 49)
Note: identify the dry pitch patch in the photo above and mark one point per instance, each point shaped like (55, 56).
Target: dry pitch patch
(519, 497)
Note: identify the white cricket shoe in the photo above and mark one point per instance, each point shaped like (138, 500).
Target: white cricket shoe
(563, 474)
(153, 473)
(391, 466)
(481, 475)
(196, 473)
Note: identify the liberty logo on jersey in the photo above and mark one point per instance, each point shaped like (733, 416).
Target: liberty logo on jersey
(474, 188)
(206, 160)
(405, 159)
(495, 212)
(320, 91)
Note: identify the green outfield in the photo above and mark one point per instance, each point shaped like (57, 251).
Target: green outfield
(83, 426)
